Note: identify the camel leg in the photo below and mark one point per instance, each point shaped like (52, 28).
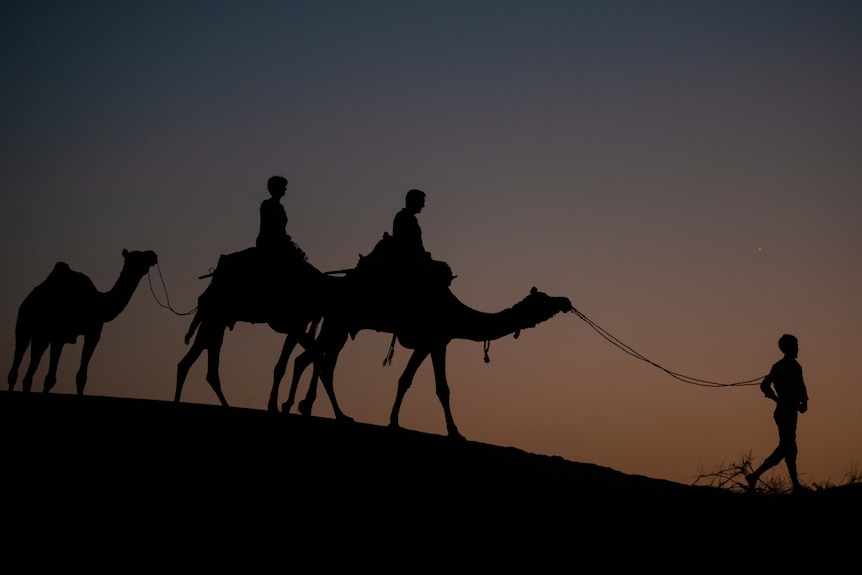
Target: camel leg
(325, 352)
(53, 362)
(404, 383)
(278, 373)
(90, 343)
(22, 341)
(438, 360)
(300, 364)
(326, 377)
(307, 404)
(37, 350)
(186, 364)
(213, 353)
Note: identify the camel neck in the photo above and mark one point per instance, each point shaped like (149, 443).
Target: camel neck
(485, 326)
(529, 312)
(115, 300)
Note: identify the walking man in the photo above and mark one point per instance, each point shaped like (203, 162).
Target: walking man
(784, 385)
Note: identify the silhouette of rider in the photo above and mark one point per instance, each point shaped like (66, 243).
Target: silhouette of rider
(414, 264)
(405, 227)
(273, 219)
(278, 258)
(785, 386)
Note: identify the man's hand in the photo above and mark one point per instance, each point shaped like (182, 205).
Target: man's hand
(803, 406)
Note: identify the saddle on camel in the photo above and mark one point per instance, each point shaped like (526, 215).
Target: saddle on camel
(400, 275)
(399, 271)
(265, 278)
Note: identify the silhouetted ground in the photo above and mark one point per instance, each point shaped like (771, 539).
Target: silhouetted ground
(196, 482)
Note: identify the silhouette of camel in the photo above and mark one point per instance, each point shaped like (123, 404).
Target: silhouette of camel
(426, 327)
(67, 305)
(248, 287)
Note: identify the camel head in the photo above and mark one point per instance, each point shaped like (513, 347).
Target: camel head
(140, 262)
(538, 307)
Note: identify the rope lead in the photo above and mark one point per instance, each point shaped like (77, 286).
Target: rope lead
(166, 305)
(684, 378)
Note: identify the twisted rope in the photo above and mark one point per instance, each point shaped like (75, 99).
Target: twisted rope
(684, 378)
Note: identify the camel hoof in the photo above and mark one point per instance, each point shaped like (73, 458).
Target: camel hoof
(285, 407)
(304, 407)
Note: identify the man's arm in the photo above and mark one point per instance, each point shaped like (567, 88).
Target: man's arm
(803, 405)
(766, 387)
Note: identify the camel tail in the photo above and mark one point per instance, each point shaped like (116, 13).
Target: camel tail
(196, 321)
(203, 307)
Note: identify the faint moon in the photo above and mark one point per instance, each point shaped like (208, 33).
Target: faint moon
(760, 248)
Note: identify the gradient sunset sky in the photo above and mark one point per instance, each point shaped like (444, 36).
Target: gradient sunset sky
(689, 174)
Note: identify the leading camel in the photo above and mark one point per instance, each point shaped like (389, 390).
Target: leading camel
(67, 305)
(411, 299)
(426, 325)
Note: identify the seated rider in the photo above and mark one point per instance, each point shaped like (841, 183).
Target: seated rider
(406, 232)
(413, 263)
(278, 257)
(273, 218)
(272, 239)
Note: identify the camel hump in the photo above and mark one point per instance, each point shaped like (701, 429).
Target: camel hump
(63, 275)
(59, 272)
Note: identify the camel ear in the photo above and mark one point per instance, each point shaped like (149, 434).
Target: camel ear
(533, 291)
(125, 253)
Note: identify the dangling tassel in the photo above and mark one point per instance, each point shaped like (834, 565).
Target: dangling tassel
(487, 346)
(388, 360)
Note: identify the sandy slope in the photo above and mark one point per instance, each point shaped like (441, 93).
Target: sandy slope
(141, 471)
